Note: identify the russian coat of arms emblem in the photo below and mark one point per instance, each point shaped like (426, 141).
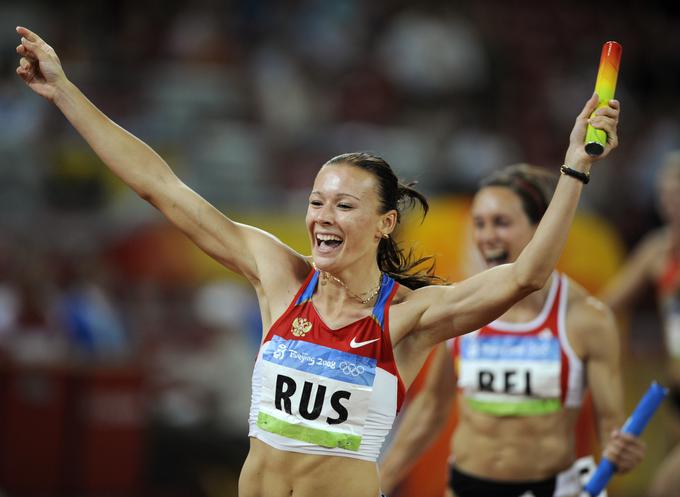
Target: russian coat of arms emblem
(300, 327)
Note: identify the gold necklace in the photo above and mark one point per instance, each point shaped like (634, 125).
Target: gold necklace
(364, 300)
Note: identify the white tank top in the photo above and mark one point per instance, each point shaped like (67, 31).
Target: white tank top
(522, 369)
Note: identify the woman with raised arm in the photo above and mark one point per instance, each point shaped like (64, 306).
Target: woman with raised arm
(346, 329)
(520, 379)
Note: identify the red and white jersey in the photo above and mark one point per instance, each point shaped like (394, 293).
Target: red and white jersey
(522, 369)
(318, 390)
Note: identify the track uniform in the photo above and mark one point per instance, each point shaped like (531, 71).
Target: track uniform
(322, 391)
(520, 369)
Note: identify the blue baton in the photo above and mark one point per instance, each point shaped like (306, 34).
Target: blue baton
(634, 425)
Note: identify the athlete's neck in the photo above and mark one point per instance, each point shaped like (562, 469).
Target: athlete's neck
(363, 286)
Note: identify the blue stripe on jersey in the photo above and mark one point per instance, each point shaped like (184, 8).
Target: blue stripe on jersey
(321, 361)
(386, 286)
(510, 348)
(309, 291)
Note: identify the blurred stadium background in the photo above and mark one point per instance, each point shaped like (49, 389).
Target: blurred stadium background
(125, 354)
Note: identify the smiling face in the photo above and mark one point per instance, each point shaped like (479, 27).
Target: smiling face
(343, 220)
(501, 227)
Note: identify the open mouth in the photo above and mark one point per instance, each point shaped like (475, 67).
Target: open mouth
(326, 243)
(495, 257)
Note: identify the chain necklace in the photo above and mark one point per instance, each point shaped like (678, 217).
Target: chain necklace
(364, 300)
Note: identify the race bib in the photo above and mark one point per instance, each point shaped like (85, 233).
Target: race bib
(314, 393)
(511, 375)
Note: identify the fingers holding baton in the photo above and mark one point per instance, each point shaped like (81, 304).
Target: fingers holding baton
(605, 87)
(633, 426)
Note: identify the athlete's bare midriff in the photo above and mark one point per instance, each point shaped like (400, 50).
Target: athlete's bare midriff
(514, 448)
(269, 472)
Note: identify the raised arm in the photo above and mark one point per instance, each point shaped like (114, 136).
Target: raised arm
(485, 296)
(424, 419)
(594, 325)
(244, 249)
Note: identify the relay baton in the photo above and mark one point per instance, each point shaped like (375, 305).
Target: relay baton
(605, 86)
(633, 425)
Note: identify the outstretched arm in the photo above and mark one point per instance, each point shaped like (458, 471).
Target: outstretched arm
(244, 249)
(424, 419)
(485, 296)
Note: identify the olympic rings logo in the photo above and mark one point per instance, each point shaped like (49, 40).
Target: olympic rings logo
(351, 369)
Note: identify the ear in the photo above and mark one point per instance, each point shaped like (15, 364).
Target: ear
(387, 223)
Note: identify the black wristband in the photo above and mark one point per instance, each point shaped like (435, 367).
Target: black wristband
(582, 177)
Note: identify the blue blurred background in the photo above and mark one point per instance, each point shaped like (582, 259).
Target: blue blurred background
(125, 354)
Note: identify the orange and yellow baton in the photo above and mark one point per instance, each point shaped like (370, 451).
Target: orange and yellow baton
(605, 86)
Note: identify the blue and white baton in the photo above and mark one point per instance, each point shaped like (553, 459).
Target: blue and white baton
(634, 425)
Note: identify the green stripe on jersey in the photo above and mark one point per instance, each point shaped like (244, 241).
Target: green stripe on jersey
(532, 407)
(323, 438)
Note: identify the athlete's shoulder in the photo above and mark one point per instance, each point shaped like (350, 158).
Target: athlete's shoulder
(582, 303)
(589, 320)
(577, 293)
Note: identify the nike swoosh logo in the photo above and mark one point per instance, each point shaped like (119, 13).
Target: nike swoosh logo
(354, 344)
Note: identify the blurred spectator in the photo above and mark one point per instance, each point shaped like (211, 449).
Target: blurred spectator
(201, 379)
(431, 55)
(87, 313)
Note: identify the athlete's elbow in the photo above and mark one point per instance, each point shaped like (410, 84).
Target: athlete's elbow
(532, 285)
(529, 282)
(157, 192)
(531, 273)
(149, 197)
(146, 196)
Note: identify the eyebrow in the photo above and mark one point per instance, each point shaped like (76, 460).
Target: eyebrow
(338, 195)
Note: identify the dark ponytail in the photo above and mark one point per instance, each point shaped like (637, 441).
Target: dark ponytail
(393, 194)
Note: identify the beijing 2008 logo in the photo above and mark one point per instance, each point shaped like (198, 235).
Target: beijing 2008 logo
(280, 351)
(351, 369)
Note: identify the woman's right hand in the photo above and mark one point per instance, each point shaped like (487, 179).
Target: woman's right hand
(39, 66)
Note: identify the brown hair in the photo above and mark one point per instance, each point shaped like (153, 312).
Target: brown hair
(399, 196)
(533, 185)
